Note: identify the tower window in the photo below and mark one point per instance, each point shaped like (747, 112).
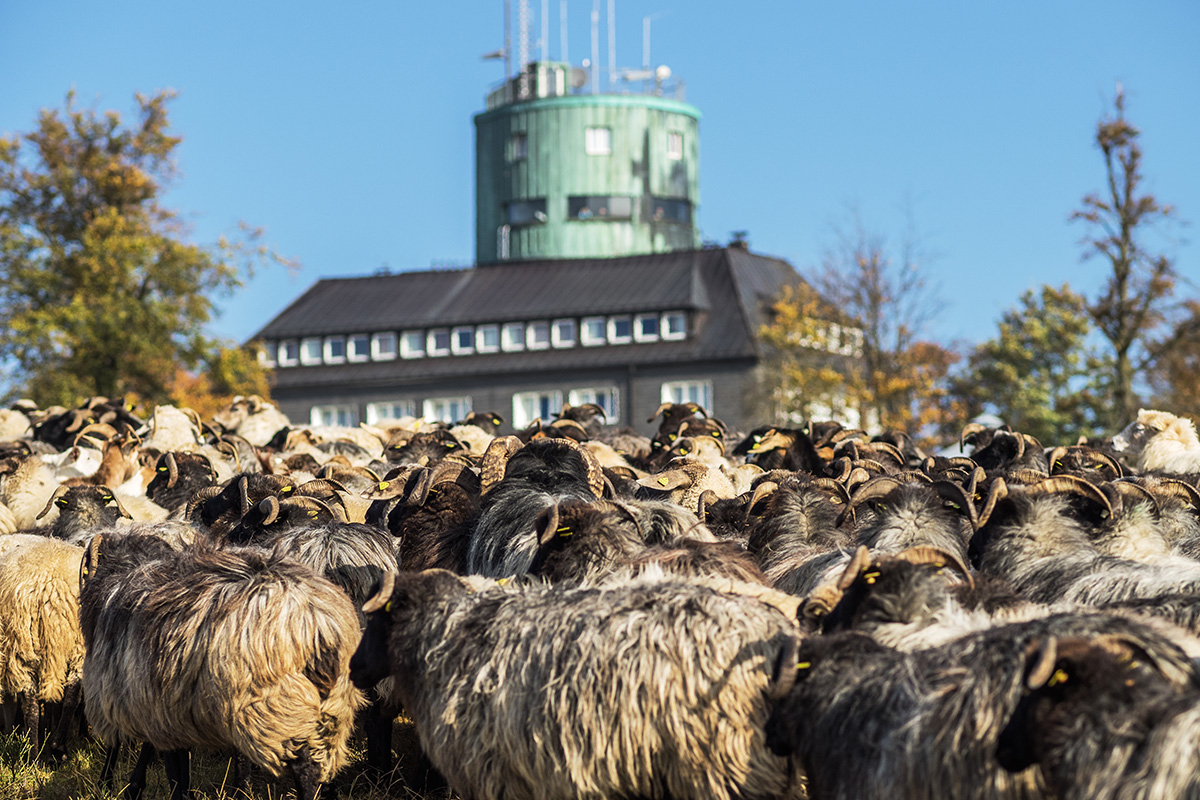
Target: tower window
(518, 147)
(527, 212)
(598, 141)
(674, 145)
(599, 207)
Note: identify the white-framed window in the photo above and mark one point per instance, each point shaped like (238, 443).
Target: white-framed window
(620, 329)
(383, 346)
(512, 336)
(390, 409)
(335, 350)
(528, 406)
(699, 392)
(674, 325)
(462, 340)
(592, 331)
(310, 350)
(674, 145)
(518, 146)
(607, 397)
(289, 353)
(358, 347)
(437, 342)
(487, 338)
(268, 353)
(446, 409)
(562, 333)
(598, 141)
(537, 335)
(646, 327)
(345, 416)
(412, 344)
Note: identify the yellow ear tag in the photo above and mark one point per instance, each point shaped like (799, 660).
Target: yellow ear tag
(388, 606)
(502, 581)
(383, 485)
(564, 531)
(663, 481)
(804, 665)
(870, 577)
(312, 513)
(1059, 676)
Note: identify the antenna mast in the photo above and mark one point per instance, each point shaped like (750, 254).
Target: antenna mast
(562, 30)
(612, 44)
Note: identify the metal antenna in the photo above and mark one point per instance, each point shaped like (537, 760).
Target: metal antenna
(595, 46)
(562, 30)
(612, 43)
(545, 31)
(523, 22)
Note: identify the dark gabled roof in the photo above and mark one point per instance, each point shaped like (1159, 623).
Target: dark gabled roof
(729, 291)
(496, 293)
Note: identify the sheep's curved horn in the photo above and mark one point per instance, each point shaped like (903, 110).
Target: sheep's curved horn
(970, 429)
(996, 492)
(661, 409)
(387, 584)
(90, 560)
(926, 554)
(889, 448)
(495, 461)
(880, 486)
(199, 499)
(785, 670)
(706, 499)
(1170, 487)
(1027, 476)
(1071, 484)
(1112, 463)
(124, 512)
(269, 507)
(829, 484)
(762, 490)
(1044, 659)
(59, 492)
(1056, 455)
(172, 470)
(108, 432)
(948, 490)
(1136, 492)
(860, 562)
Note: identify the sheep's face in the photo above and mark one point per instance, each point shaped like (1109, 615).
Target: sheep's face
(1138, 433)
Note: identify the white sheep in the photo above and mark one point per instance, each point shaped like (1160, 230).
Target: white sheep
(1160, 442)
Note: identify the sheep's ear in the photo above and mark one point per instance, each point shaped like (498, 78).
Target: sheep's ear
(666, 481)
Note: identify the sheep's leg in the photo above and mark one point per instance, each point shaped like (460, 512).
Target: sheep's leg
(72, 695)
(112, 754)
(178, 766)
(137, 778)
(377, 725)
(31, 712)
(241, 775)
(305, 774)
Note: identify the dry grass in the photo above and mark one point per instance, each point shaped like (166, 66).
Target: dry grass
(78, 776)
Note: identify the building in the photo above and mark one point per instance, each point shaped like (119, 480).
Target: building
(522, 337)
(590, 282)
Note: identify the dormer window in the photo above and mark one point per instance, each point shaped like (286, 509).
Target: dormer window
(310, 351)
(598, 141)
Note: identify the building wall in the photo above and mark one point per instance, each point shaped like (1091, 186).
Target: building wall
(556, 167)
(640, 391)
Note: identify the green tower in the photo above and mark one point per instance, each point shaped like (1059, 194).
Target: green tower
(565, 173)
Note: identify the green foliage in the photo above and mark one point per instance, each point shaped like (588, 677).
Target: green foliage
(100, 293)
(1039, 374)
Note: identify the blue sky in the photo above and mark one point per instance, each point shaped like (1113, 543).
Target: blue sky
(345, 130)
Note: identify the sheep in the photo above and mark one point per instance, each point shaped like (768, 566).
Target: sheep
(234, 648)
(80, 510)
(909, 514)
(26, 485)
(653, 688)
(1159, 441)
(684, 481)
(516, 485)
(178, 476)
(1103, 721)
(866, 721)
(170, 428)
(41, 647)
(1029, 537)
(252, 418)
(432, 512)
(796, 538)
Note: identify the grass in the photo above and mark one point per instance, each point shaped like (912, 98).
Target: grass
(78, 776)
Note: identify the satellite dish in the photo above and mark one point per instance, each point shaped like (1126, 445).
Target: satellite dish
(579, 78)
(662, 73)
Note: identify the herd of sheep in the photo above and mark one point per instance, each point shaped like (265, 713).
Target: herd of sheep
(579, 611)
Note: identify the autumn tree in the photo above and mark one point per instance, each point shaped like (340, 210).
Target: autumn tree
(1040, 373)
(1136, 302)
(869, 308)
(101, 293)
(1175, 377)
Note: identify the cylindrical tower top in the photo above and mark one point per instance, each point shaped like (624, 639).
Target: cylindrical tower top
(579, 175)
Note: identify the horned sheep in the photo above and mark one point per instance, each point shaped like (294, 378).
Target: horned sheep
(652, 688)
(239, 649)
